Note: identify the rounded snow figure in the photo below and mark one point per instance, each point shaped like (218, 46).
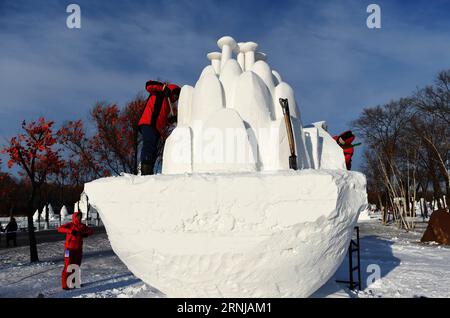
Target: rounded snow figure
(73, 248)
(227, 217)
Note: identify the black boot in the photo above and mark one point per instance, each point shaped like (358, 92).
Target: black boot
(146, 169)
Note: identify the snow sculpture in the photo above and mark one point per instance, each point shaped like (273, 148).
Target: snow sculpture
(249, 49)
(64, 214)
(227, 218)
(51, 213)
(86, 209)
(240, 56)
(82, 205)
(324, 152)
(36, 216)
(227, 44)
(215, 58)
(252, 89)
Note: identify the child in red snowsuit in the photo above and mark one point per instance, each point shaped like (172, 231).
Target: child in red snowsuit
(345, 140)
(73, 248)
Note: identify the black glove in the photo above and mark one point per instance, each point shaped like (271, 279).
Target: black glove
(167, 92)
(74, 232)
(172, 119)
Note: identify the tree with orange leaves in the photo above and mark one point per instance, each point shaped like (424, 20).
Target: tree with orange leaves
(83, 163)
(113, 148)
(34, 152)
(117, 137)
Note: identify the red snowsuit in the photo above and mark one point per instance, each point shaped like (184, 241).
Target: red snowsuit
(73, 248)
(157, 109)
(345, 140)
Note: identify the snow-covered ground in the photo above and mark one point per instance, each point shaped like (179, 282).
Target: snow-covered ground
(103, 274)
(407, 268)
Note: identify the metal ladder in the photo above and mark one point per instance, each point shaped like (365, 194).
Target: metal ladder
(354, 247)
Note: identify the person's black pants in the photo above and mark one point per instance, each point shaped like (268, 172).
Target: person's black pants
(150, 138)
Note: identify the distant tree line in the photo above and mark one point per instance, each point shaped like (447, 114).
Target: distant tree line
(407, 151)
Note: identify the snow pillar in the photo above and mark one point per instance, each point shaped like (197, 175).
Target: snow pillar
(227, 44)
(240, 56)
(249, 49)
(215, 58)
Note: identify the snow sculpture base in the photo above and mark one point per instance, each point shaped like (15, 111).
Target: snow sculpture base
(275, 234)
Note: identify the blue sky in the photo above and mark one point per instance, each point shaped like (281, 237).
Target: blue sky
(323, 49)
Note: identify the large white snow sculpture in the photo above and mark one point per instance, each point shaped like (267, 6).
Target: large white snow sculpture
(227, 218)
(250, 88)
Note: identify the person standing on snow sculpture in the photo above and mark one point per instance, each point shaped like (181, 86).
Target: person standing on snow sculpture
(159, 113)
(73, 248)
(345, 140)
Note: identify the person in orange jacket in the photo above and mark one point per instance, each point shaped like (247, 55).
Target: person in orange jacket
(75, 232)
(159, 113)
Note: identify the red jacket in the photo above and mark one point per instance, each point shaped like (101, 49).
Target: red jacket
(347, 138)
(157, 109)
(75, 231)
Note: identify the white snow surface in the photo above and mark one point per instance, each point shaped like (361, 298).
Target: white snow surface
(103, 275)
(408, 269)
(231, 235)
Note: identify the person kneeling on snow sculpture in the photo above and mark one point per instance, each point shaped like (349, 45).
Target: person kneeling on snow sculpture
(159, 113)
(73, 249)
(345, 140)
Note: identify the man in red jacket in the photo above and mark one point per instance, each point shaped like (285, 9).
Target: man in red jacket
(159, 112)
(345, 140)
(73, 249)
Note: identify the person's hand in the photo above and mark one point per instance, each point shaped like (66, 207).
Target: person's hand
(167, 91)
(74, 232)
(172, 119)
